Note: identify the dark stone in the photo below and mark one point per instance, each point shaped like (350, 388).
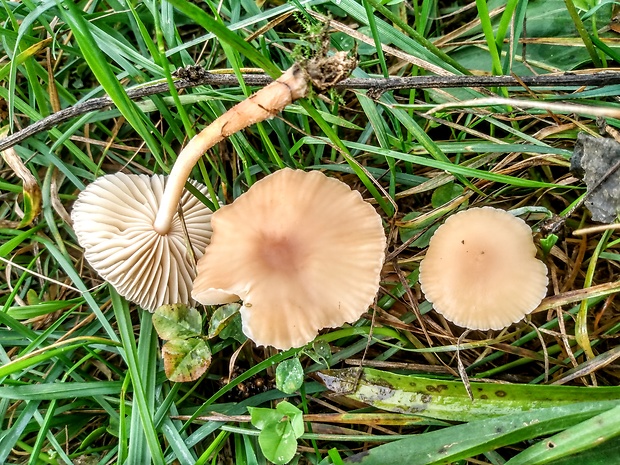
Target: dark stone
(592, 159)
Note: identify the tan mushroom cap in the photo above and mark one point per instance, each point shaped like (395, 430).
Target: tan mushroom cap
(302, 250)
(113, 220)
(480, 270)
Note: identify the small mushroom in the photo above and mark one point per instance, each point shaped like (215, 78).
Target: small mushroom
(302, 250)
(480, 269)
(113, 220)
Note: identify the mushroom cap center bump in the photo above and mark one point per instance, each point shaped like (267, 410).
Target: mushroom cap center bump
(281, 254)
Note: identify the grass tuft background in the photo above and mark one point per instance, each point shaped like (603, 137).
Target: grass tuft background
(81, 378)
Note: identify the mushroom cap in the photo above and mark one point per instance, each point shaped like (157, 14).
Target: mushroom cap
(303, 252)
(113, 220)
(480, 269)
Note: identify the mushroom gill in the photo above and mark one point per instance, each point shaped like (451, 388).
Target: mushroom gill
(113, 220)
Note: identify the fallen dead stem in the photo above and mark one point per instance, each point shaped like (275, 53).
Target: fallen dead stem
(201, 77)
(351, 418)
(578, 295)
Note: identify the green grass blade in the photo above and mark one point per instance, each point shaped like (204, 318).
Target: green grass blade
(24, 363)
(487, 28)
(504, 23)
(146, 353)
(225, 35)
(68, 268)
(45, 433)
(578, 438)
(176, 442)
(98, 63)
(456, 169)
(389, 34)
(583, 33)
(468, 440)
(417, 36)
(141, 408)
(22, 57)
(64, 390)
(57, 134)
(370, 18)
(11, 437)
(314, 114)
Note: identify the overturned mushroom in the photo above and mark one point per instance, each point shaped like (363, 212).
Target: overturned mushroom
(302, 250)
(158, 270)
(113, 220)
(480, 269)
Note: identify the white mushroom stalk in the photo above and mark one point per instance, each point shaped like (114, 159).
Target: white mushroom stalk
(265, 104)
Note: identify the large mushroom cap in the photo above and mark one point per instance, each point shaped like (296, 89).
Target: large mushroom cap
(480, 270)
(303, 252)
(113, 220)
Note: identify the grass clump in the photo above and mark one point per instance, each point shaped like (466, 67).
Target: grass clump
(81, 377)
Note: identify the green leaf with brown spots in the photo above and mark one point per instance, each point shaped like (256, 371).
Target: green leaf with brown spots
(177, 321)
(455, 443)
(186, 359)
(448, 399)
(222, 316)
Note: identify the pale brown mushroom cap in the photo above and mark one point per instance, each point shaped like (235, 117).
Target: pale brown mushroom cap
(480, 269)
(303, 252)
(113, 220)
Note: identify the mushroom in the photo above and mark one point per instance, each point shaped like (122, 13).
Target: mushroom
(480, 269)
(302, 250)
(128, 225)
(265, 104)
(113, 220)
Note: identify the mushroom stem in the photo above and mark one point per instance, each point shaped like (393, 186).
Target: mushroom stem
(265, 104)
